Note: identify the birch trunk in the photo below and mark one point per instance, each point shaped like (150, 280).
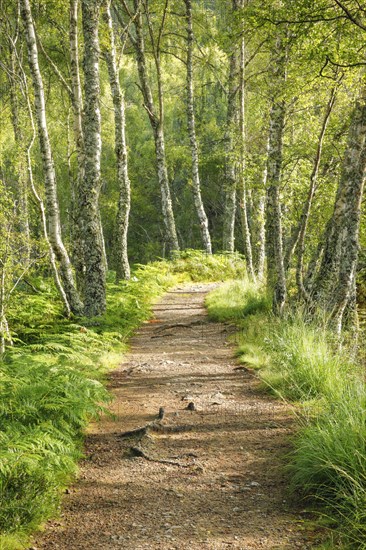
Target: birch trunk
(76, 97)
(196, 184)
(5, 335)
(276, 278)
(157, 124)
(308, 204)
(95, 272)
(53, 214)
(124, 201)
(260, 242)
(335, 283)
(314, 266)
(77, 107)
(39, 201)
(230, 186)
(42, 211)
(243, 203)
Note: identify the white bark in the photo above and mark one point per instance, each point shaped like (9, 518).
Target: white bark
(334, 285)
(77, 107)
(196, 184)
(230, 184)
(124, 201)
(39, 200)
(53, 214)
(156, 120)
(95, 270)
(42, 210)
(304, 220)
(261, 238)
(243, 203)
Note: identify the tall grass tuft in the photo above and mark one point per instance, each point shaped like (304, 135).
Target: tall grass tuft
(299, 362)
(304, 364)
(329, 460)
(234, 300)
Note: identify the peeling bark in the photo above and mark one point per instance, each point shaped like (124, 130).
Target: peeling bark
(243, 203)
(42, 211)
(28, 153)
(77, 107)
(230, 184)
(95, 270)
(261, 237)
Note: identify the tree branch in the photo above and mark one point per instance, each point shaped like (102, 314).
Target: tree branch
(350, 16)
(56, 70)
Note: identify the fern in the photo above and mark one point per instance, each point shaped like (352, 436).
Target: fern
(50, 382)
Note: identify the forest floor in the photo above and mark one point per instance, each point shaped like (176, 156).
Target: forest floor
(205, 478)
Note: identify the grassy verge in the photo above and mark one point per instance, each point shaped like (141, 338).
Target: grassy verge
(52, 382)
(299, 362)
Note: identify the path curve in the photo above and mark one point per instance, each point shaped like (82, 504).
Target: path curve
(222, 487)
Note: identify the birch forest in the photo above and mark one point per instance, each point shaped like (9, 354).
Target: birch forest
(212, 148)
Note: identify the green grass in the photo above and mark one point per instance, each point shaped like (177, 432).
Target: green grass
(299, 362)
(304, 365)
(329, 461)
(52, 382)
(199, 266)
(235, 300)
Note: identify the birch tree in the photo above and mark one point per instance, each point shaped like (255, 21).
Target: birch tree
(242, 187)
(76, 99)
(52, 206)
(155, 114)
(196, 184)
(124, 201)
(230, 180)
(334, 285)
(305, 215)
(93, 245)
(276, 279)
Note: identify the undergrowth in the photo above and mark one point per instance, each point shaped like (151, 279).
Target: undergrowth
(299, 362)
(52, 382)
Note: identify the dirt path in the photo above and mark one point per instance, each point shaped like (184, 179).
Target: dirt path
(222, 488)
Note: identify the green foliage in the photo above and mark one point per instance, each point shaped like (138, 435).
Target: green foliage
(235, 300)
(43, 411)
(51, 381)
(304, 365)
(329, 460)
(200, 266)
(300, 362)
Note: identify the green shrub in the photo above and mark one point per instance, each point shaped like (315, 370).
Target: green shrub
(43, 411)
